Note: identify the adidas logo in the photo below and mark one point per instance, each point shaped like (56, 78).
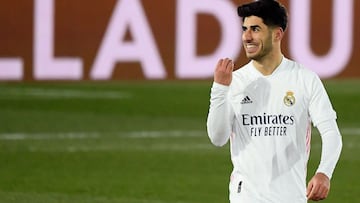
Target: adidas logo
(246, 100)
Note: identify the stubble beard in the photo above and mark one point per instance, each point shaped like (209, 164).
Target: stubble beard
(265, 50)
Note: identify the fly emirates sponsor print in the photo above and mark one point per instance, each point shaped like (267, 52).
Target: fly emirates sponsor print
(265, 124)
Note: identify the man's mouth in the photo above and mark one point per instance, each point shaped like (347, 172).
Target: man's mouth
(251, 48)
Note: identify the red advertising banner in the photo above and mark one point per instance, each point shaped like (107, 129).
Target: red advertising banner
(162, 39)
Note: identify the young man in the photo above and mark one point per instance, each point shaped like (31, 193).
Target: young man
(266, 109)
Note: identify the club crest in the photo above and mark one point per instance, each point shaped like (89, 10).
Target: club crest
(289, 99)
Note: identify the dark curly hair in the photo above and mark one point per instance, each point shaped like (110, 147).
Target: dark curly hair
(272, 12)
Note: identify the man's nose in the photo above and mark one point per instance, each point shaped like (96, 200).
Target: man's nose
(247, 36)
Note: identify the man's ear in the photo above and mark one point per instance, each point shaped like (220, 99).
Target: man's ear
(278, 34)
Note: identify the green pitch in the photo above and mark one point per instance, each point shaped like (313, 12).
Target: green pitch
(135, 142)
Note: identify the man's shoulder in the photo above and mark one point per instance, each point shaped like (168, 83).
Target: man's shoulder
(299, 68)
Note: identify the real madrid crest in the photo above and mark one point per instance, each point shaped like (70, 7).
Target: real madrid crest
(289, 99)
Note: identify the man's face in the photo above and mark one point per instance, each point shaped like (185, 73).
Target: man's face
(257, 38)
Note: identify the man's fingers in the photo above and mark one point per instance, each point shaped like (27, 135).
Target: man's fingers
(226, 65)
(310, 191)
(322, 191)
(219, 64)
(318, 187)
(313, 194)
(316, 192)
(229, 64)
(223, 71)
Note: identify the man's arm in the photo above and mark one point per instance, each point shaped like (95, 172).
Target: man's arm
(319, 186)
(218, 121)
(220, 114)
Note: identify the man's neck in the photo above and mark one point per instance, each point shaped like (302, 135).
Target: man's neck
(268, 64)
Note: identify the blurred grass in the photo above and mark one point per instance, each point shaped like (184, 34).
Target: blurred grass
(134, 142)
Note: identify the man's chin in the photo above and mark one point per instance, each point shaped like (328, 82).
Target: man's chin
(251, 56)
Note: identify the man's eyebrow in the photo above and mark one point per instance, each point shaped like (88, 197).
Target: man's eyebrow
(251, 27)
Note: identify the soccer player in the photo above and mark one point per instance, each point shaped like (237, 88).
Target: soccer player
(266, 109)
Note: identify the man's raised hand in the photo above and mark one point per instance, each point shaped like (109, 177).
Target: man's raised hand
(223, 71)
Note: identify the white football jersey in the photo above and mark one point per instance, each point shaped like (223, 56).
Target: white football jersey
(268, 122)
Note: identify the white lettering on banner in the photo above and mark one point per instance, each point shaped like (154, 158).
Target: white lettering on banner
(342, 37)
(128, 13)
(188, 65)
(11, 69)
(45, 65)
